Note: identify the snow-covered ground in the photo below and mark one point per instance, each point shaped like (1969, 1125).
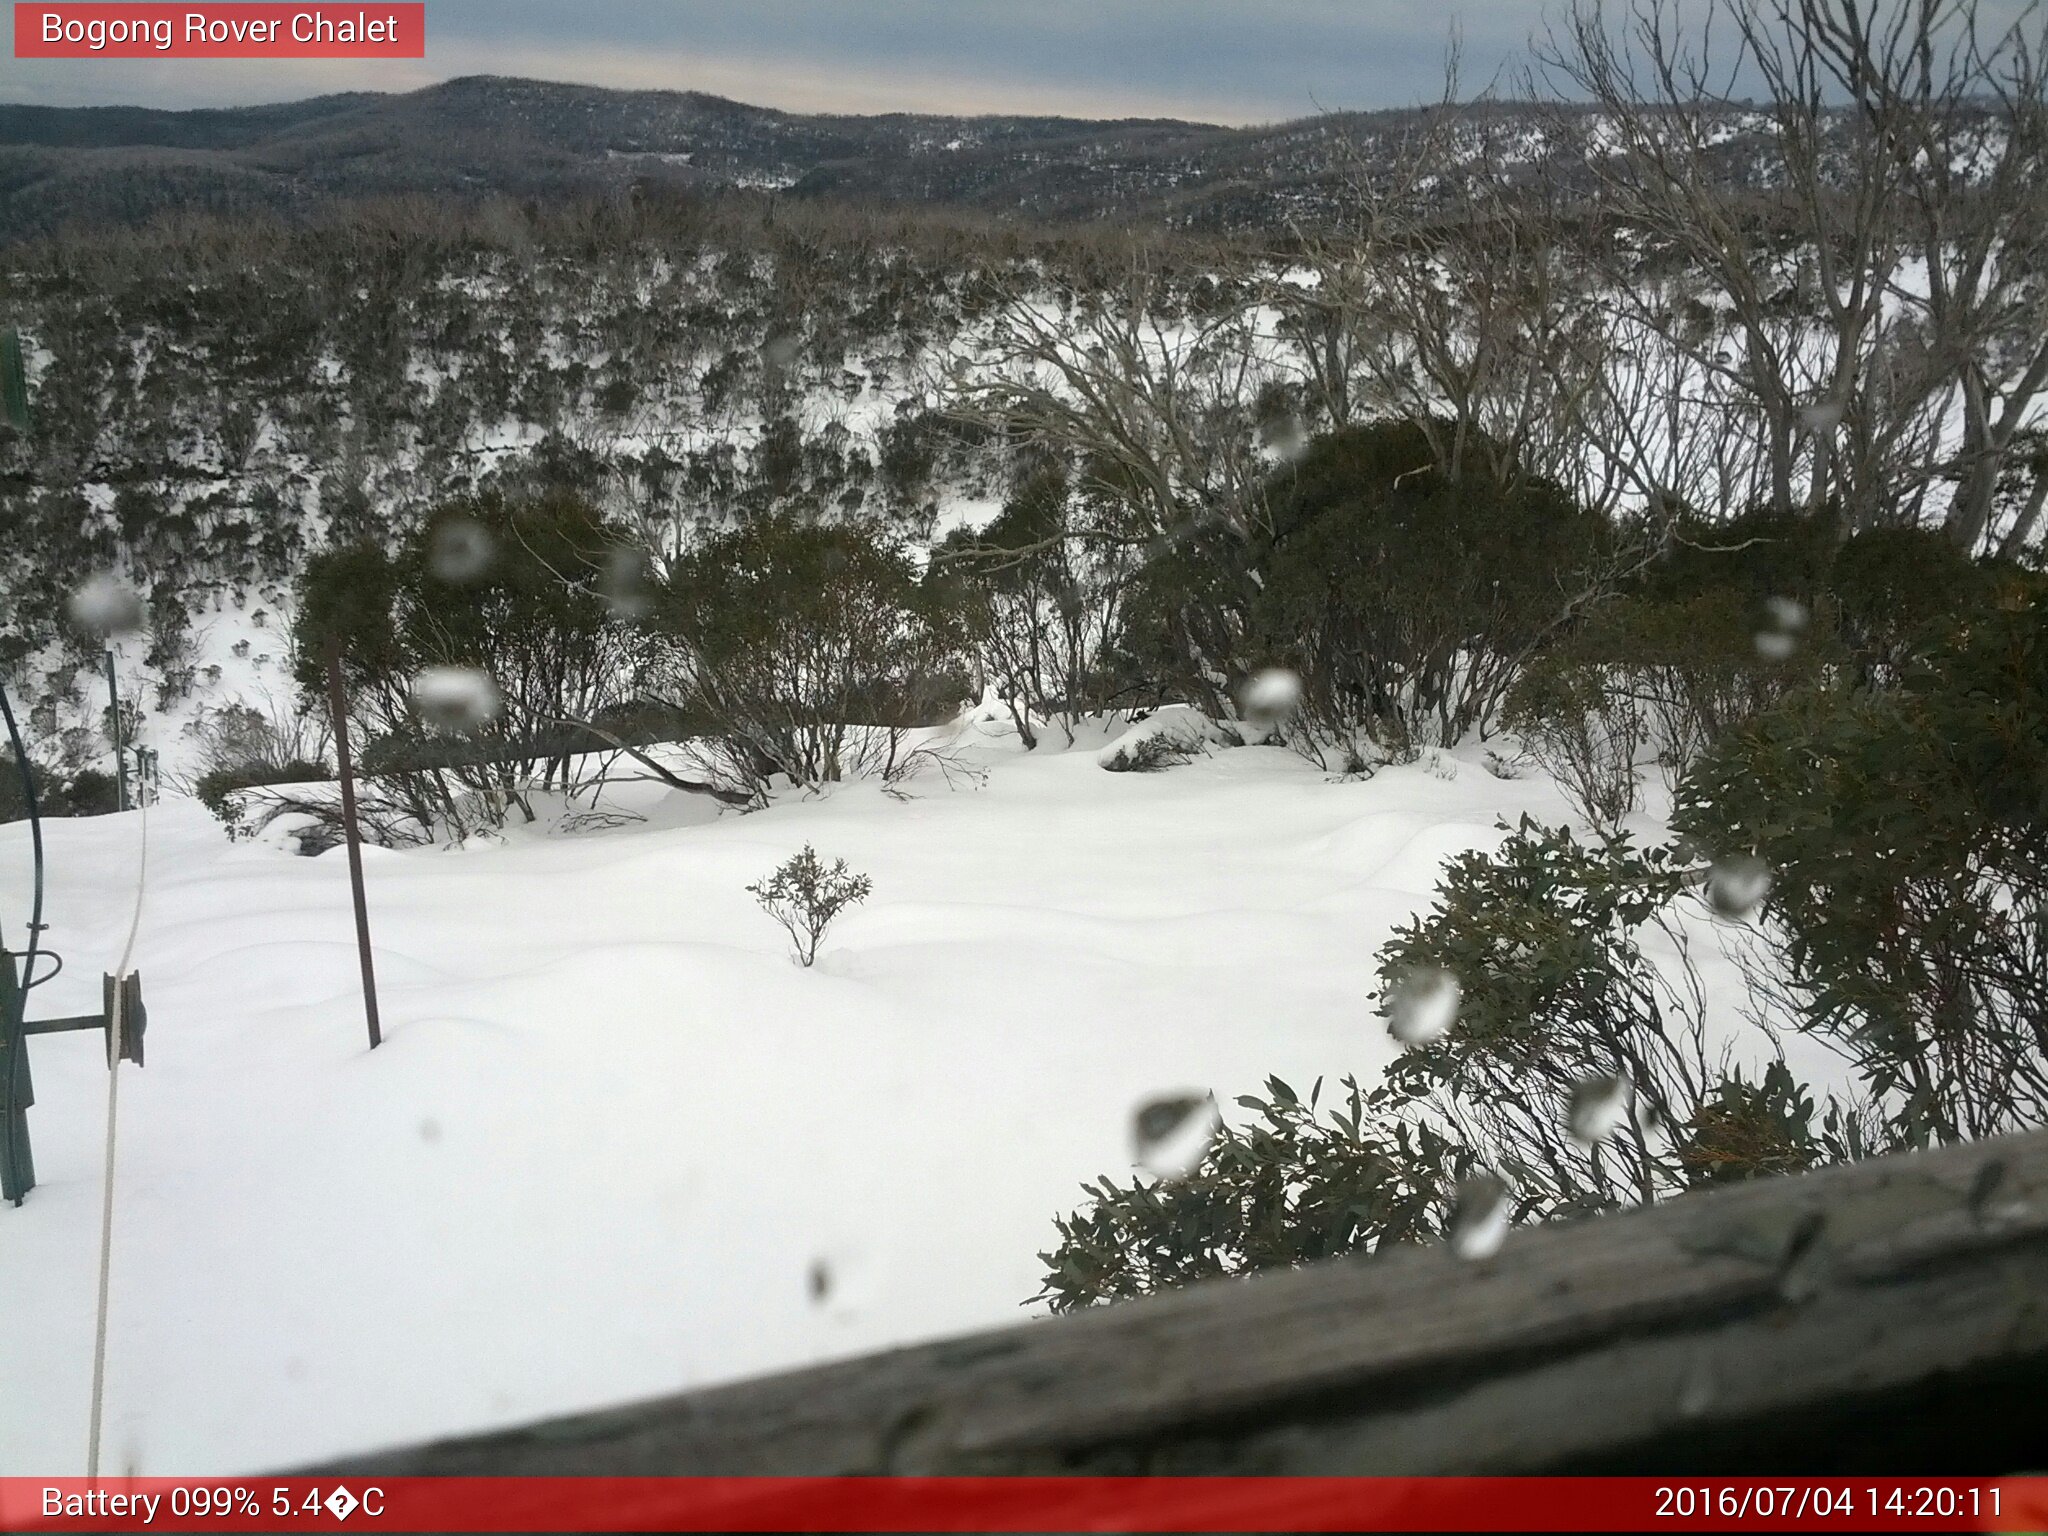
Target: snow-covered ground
(616, 1140)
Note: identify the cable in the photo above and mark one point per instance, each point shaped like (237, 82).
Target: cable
(117, 1041)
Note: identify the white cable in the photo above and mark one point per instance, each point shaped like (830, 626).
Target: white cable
(119, 1039)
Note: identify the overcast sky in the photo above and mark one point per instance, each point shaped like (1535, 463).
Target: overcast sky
(1230, 61)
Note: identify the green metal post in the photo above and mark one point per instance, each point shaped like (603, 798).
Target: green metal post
(17, 1164)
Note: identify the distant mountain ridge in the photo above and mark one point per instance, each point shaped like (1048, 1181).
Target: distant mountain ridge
(484, 134)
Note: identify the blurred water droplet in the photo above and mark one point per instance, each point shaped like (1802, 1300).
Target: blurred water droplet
(1422, 1005)
(1696, 1393)
(1821, 416)
(1269, 697)
(1773, 646)
(780, 349)
(461, 551)
(1737, 885)
(1172, 1135)
(105, 605)
(1787, 614)
(430, 1131)
(455, 698)
(626, 583)
(1599, 1106)
(1784, 622)
(1479, 1221)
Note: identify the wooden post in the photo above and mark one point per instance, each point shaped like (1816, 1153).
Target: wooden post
(337, 706)
(120, 753)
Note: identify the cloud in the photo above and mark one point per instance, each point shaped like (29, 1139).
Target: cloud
(1220, 60)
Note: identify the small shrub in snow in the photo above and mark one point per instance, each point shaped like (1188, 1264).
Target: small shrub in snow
(1168, 739)
(804, 896)
(1149, 754)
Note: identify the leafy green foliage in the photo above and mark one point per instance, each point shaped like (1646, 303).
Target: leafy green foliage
(220, 790)
(1890, 585)
(1745, 1130)
(81, 792)
(1643, 676)
(1908, 833)
(1544, 936)
(1296, 1183)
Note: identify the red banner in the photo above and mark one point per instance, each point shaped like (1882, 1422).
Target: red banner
(1025, 1504)
(372, 30)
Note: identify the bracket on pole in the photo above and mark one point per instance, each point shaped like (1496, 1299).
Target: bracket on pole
(17, 1089)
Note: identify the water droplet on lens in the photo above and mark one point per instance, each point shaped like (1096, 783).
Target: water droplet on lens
(1786, 614)
(1422, 1005)
(1698, 1389)
(455, 698)
(626, 584)
(1737, 885)
(1269, 697)
(1773, 646)
(1172, 1135)
(105, 605)
(1479, 1222)
(1599, 1106)
(461, 551)
(1785, 621)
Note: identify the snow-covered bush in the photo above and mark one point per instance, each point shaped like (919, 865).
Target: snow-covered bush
(1172, 736)
(805, 896)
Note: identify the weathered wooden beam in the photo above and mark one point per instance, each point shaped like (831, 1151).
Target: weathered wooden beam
(1891, 1316)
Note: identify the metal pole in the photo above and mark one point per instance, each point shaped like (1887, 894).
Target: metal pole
(120, 757)
(17, 1166)
(337, 706)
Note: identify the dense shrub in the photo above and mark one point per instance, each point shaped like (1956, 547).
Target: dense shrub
(810, 649)
(81, 792)
(1890, 584)
(1907, 830)
(1040, 609)
(1545, 1048)
(1661, 678)
(220, 790)
(1405, 599)
(521, 596)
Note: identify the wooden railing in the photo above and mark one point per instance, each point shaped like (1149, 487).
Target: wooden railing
(1886, 1317)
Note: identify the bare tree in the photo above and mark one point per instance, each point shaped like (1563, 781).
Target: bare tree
(1872, 272)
